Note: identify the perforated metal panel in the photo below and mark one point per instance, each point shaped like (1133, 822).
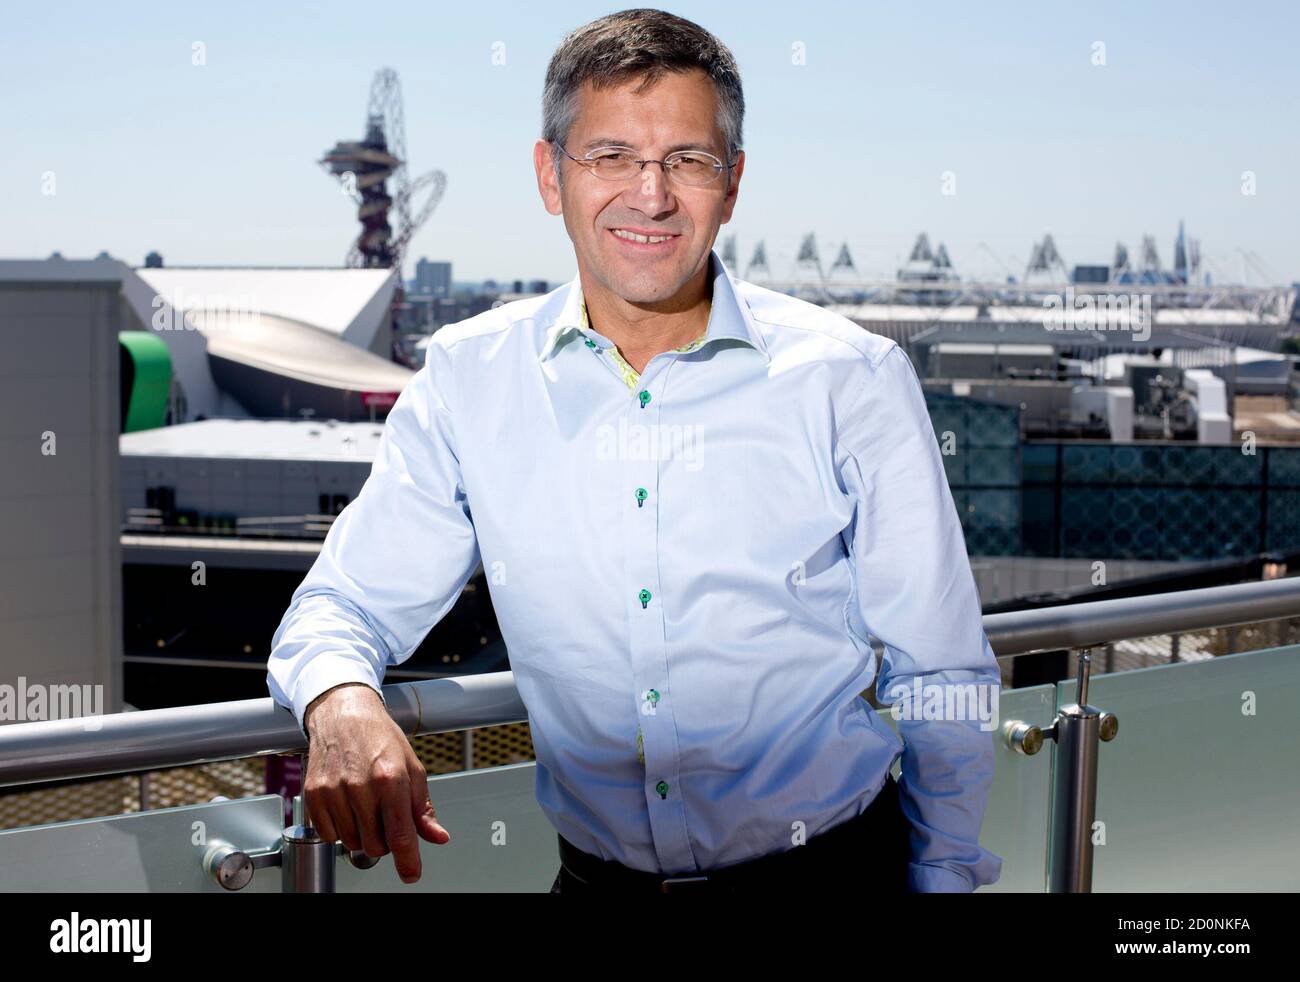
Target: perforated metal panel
(441, 753)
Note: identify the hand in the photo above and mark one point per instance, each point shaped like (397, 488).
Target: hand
(364, 784)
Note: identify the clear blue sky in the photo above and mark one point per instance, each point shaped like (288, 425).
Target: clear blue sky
(216, 164)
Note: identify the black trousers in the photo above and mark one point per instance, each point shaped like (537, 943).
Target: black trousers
(871, 848)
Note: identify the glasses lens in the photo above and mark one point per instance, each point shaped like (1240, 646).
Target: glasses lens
(613, 165)
(687, 167)
(694, 168)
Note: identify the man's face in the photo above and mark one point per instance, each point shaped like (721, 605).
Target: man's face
(678, 112)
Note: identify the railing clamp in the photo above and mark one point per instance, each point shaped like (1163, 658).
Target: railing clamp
(306, 861)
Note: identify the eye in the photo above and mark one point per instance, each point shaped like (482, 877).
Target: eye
(692, 163)
(610, 154)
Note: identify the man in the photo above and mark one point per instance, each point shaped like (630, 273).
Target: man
(694, 499)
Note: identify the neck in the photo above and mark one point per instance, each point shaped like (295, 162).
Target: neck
(642, 331)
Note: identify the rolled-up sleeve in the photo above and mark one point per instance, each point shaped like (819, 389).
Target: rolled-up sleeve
(394, 561)
(915, 593)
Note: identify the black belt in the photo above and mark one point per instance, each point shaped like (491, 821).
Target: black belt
(880, 825)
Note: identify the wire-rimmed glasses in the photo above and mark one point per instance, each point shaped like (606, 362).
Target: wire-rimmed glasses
(693, 168)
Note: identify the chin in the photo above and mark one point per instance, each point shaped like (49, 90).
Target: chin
(640, 286)
(638, 292)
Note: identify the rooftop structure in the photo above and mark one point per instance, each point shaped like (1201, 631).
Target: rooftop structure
(273, 342)
(258, 439)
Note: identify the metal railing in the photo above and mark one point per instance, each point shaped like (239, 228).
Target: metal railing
(1088, 625)
(52, 750)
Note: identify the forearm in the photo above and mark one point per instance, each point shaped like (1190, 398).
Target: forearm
(323, 641)
(947, 766)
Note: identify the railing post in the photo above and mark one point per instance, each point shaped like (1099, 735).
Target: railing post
(1077, 730)
(307, 864)
(307, 860)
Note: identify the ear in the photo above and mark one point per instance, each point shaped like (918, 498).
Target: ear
(729, 202)
(547, 185)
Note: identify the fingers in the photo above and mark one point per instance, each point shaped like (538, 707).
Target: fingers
(421, 808)
(399, 828)
(367, 799)
(329, 812)
(367, 788)
(317, 815)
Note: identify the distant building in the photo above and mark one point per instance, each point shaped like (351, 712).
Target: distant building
(415, 314)
(1090, 274)
(454, 309)
(60, 558)
(271, 342)
(433, 279)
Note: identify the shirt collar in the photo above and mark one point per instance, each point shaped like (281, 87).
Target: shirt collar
(729, 315)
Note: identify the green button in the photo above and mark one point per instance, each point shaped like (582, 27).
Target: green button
(653, 696)
(662, 788)
(641, 495)
(590, 343)
(644, 597)
(644, 396)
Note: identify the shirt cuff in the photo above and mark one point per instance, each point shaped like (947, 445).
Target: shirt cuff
(922, 878)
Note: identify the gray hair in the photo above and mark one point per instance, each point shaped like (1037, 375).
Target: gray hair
(638, 43)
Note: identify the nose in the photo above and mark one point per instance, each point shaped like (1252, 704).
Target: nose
(650, 194)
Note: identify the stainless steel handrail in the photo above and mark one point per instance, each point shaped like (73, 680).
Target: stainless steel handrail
(119, 743)
(125, 742)
(1103, 621)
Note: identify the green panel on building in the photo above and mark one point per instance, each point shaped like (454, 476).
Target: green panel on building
(146, 380)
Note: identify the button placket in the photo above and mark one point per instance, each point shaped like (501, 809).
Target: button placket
(652, 700)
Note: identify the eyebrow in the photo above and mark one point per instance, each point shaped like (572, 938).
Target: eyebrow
(610, 141)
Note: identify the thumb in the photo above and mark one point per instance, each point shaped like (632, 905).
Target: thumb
(426, 819)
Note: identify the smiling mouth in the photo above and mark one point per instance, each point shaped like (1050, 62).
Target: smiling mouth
(643, 240)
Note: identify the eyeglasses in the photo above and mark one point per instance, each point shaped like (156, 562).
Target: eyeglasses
(693, 168)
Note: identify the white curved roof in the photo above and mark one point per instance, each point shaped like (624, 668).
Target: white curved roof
(348, 303)
(300, 351)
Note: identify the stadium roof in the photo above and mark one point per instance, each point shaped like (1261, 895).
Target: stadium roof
(274, 342)
(1024, 314)
(301, 351)
(348, 303)
(262, 439)
(1035, 334)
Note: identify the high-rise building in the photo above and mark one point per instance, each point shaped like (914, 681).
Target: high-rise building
(433, 279)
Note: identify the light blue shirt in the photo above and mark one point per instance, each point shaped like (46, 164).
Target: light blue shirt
(702, 558)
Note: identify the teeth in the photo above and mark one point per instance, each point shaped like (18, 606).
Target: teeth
(633, 237)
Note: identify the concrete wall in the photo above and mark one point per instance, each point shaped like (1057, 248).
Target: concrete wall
(60, 555)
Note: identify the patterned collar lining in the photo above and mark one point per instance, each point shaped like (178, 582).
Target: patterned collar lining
(630, 375)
